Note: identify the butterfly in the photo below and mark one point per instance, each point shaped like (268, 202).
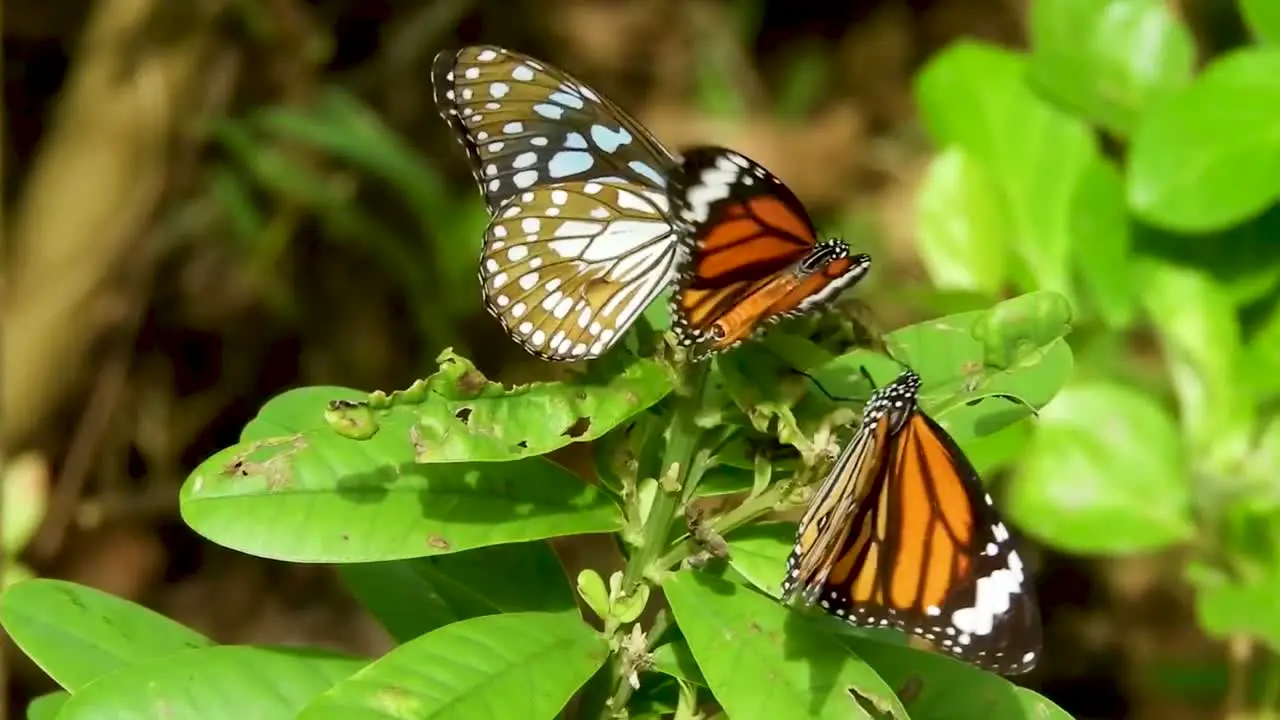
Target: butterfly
(901, 534)
(754, 258)
(581, 238)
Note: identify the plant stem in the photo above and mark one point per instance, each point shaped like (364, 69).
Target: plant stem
(677, 460)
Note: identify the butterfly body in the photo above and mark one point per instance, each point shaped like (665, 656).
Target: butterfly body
(754, 257)
(582, 238)
(901, 534)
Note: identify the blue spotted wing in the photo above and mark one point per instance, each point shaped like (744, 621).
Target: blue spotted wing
(581, 239)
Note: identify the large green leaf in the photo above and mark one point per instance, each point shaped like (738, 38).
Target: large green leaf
(962, 225)
(414, 597)
(935, 687)
(970, 360)
(77, 634)
(246, 683)
(47, 707)
(519, 665)
(457, 415)
(762, 661)
(976, 97)
(1109, 59)
(1209, 157)
(316, 501)
(1200, 334)
(1263, 17)
(1103, 244)
(1105, 473)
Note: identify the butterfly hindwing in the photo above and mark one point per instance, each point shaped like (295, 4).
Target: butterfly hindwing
(754, 256)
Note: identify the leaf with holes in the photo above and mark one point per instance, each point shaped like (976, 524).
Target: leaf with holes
(336, 500)
(458, 415)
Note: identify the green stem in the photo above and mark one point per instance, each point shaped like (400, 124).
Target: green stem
(677, 460)
(749, 510)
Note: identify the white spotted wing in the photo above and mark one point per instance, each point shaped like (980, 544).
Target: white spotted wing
(567, 268)
(581, 239)
(526, 124)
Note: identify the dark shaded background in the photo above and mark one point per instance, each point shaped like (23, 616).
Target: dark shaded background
(144, 325)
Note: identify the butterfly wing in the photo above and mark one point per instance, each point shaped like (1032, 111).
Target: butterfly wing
(525, 124)
(755, 257)
(581, 239)
(567, 268)
(924, 549)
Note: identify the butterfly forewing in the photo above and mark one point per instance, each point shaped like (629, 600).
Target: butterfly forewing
(568, 267)
(754, 256)
(581, 238)
(526, 124)
(922, 549)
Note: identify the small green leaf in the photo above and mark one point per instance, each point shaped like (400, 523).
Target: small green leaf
(1200, 335)
(498, 666)
(963, 235)
(1261, 361)
(592, 590)
(1105, 473)
(339, 500)
(976, 97)
(413, 597)
(1103, 244)
(675, 659)
(626, 608)
(1209, 156)
(935, 687)
(268, 683)
(77, 634)
(763, 661)
(1263, 17)
(1110, 59)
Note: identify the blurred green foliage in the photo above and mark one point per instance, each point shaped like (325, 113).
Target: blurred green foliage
(1095, 191)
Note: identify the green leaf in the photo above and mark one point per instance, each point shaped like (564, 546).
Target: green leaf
(962, 231)
(499, 666)
(1109, 59)
(1244, 259)
(1263, 17)
(1105, 474)
(675, 659)
(77, 634)
(1238, 596)
(762, 661)
(954, 356)
(1261, 361)
(1200, 335)
(975, 97)
(246, 683)
(47, 706)
(1103, 244)
(759, 553)
(935, 687)
(457, 415)
(330, 499)
(413, 597)
(1209, 156)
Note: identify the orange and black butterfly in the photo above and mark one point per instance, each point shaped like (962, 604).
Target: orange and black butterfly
(901, 534)
(753, 255)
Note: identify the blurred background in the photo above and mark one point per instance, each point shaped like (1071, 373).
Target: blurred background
(209, 202)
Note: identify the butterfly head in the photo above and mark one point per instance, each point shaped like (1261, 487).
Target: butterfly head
(893, 403)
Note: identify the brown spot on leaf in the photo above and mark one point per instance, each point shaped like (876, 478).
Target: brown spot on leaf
(438, 542)
(910, 690)
(471, 382)
(578, 428)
